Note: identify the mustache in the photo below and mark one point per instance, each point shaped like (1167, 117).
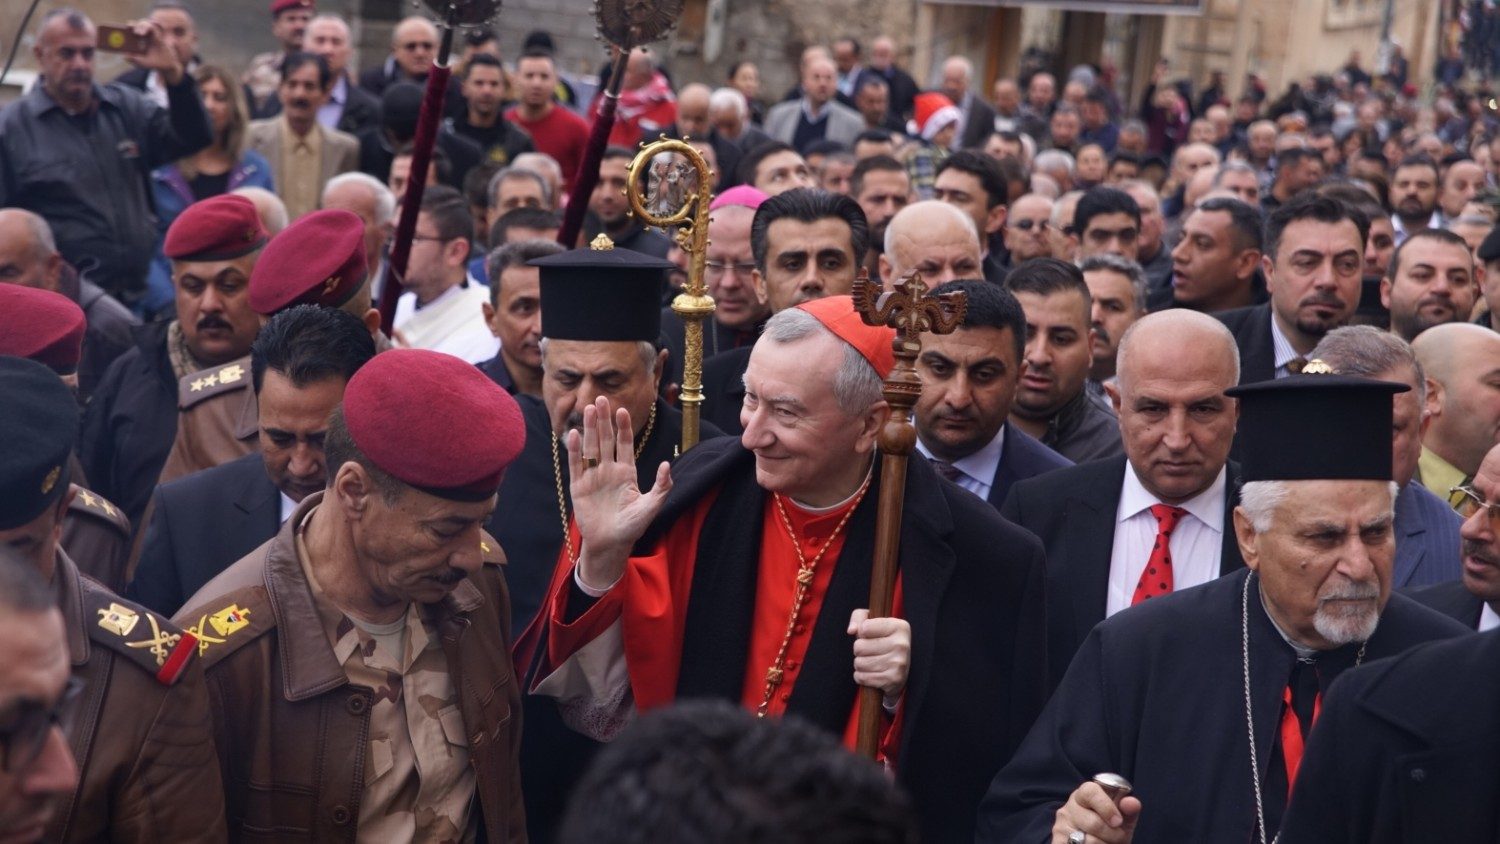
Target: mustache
(1351, 592)
(1100, 330)
(1480, 551)
(211, 321)
(1328, 299)
(451, 577)
(300, 102)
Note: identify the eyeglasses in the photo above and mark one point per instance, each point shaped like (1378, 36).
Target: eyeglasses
(24, 738)
(1028, 225)
(1468, 501)
(719, 270)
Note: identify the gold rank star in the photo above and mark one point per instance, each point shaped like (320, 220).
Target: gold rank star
(88, 498)
(210, 380)
(198, 385)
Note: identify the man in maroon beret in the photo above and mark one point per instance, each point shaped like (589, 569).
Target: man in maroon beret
(743, 573)
(318, 260)
(289, 20)
(132, 417)
(359, 662)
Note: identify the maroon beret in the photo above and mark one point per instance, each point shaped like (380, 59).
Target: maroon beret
(435, 422)
(279, 6)
(219, 228)
(318, 260)
(41, 325)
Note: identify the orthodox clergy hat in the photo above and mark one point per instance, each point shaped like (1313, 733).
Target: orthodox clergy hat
(1316, 426)
(41, 325)
(1489, 249)
(219, 228)
(435, 422)
(602, 294)
(318, 260)
(873, 342)
(38, 428)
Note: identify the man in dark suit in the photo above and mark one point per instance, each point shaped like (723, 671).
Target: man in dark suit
(1313, 262)
(979, 116)
(1473, 600)
(807, 244)
(1104, 523)
(202, 523)
(1427, 541)
(968, 380)
(1405, 751)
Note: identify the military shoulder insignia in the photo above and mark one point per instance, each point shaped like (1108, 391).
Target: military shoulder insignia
(224, 624)
(139, 635)
(205, 383)
(93, 505)
(490, 550)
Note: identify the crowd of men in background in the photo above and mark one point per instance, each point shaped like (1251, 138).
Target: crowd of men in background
(225, 460)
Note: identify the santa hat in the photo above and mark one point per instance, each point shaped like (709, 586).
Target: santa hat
(932, 113)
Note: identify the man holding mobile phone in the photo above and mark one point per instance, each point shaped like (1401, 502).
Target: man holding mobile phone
(100, 215)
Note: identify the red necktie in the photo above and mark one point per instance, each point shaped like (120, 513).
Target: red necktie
(1302, 703)
(1156, 580)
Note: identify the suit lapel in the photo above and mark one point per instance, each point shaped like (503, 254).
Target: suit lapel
(259, 500)
(1089, 544)
(1005, 473)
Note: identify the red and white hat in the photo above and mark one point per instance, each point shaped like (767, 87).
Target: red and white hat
(932, 112)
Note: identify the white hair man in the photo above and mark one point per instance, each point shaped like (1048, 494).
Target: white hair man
(1249, 653)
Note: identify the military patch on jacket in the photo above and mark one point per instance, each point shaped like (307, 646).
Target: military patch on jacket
(93, 505)
(215, 381)
(143, 637)
(490, 550)
(222, 625)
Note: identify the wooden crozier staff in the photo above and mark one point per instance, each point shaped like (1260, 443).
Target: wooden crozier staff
(911, 311)
(676, 199)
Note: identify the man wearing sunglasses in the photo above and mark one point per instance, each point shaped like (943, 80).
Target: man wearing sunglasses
(37, 771)
(1026, 228)
(140, 731)
(1474, 600)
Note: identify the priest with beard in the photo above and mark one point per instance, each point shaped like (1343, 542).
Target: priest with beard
(1203, 698)
(601, 317)
(743, 573)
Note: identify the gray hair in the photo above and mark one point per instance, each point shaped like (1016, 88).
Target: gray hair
(514, 172)
(1053, 159)
(727, 97)
(517, 254)
(537, 162)
(268, 205)
(1231, 167)
(385, 201)
(331, 18)
(856, 384)
(645, 348)
(1125, 267)
(1260, 499)
(1367, 352)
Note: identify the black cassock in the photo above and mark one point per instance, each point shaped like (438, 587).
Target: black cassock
(1156, 694)
(530, 531)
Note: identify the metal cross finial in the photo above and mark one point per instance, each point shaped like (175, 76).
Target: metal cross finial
(908, 308)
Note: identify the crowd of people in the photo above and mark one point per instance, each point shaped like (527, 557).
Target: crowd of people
(1219, 426)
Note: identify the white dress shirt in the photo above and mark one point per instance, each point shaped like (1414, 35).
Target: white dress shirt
(978, 469)
(1285, 353)
(287, 507)
(1196, 544)
(1488, 619)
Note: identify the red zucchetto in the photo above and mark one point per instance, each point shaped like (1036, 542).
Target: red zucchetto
(435, 422)
(871, 341)
(318, 260)
(220, 228)
(42, 326)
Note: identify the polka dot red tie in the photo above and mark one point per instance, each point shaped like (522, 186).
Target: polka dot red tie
(1156, 580)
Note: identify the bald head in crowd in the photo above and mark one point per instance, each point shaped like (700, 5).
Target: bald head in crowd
(1462, 364)
(693, 111)
(933, 238)
(28, 253)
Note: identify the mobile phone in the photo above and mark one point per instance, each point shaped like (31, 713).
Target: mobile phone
(121, 39)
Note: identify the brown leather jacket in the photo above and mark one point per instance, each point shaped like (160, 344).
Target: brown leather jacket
(97, 536)
(217, 420)
(292, 731)
(141, 731)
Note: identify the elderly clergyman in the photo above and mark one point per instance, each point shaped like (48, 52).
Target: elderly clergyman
(1203, 698)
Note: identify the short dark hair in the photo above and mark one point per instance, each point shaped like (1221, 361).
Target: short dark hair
(295, 61)
(476, 186)
(1246, 228)
(537, 52)
(612, 152)
(983, 168)
(706, 770)
(869, 80)
(517, 254)
(1289, 158)
(824, 147)
(449, 212)
(808, 205)
(1101, 199)
(751, 162)
(873, 164)
(851, 41)
(339, 448)
(1420, 160)
(439, 162)
(1440, 235)
(990, 306)
(523, 217)
(1125, 156)
(310, 343)
(1097, 94)
(872, 136)
(484, 60)
(1310, 206)
(1045, 277)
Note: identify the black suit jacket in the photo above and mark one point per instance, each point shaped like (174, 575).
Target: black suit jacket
(1022, 456)
(980, 123)
(200, 525)
(724, 389)
(1405, 751)
(1451, 599)
(1073, 512)
(1251, 328)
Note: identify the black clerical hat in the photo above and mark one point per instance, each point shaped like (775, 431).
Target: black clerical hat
(37, 433)
(601, 293)
(1316, 426)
